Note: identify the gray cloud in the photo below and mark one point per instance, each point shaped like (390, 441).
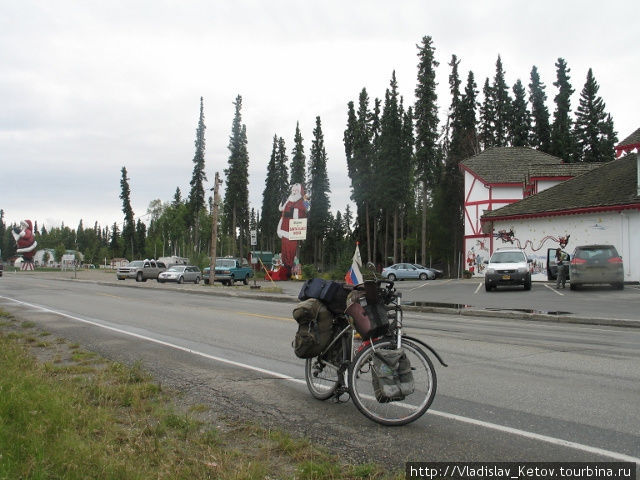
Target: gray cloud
(87, 87)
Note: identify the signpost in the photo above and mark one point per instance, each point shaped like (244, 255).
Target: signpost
(214, 229)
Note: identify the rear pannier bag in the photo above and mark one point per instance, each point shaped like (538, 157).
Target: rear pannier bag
(315, 328)
(391, 375)
(370, 321)
(332, 294)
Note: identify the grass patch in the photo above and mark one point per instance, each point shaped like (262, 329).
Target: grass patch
(79, 416)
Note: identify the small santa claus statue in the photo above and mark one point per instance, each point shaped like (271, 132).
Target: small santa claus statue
(295, 206)
(25, 240)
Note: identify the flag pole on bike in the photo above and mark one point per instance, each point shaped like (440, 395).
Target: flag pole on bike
(354, 275)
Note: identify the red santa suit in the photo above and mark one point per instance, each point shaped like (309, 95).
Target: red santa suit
(25, 240)
(293, 207)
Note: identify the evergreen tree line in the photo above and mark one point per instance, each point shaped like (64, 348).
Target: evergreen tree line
(402, 163)
(404, 166)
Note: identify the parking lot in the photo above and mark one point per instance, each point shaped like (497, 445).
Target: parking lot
(591, 301)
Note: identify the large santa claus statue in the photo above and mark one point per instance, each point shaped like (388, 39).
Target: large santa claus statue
(295, 206)
(26, 243)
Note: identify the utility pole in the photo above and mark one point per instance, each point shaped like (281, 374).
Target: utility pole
(214, 229)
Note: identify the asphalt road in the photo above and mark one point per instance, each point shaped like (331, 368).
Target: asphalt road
(514, 391)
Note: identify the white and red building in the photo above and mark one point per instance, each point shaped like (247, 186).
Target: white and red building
(501, 176)
(582, 203)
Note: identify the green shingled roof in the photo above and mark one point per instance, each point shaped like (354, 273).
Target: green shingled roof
(632, 139)
(563, 170)
(507, 164)
(613, 184)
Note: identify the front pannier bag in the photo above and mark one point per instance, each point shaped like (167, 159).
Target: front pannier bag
(315, 328)
(391, 375)
(369, 320)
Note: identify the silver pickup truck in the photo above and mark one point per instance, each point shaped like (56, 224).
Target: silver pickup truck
(141, 270)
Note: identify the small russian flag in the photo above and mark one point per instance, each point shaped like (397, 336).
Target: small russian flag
(353, 276)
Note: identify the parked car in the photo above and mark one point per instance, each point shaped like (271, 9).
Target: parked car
(596, 264)
(230, 270)
(436, 273)
(406, 271)
(507, 266)
(141, 270)
(181, 274)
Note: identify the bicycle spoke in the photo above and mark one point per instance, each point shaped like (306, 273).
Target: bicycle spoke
(399, 412)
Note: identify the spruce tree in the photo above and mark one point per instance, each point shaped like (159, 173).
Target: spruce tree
(3, 229)
(595, 138)
(426, 136)
(359, 152)
(141, 237)
(468, 122)
(282, 171)
(196, 201)
(562, 144)
(520, 124)
(391, 169)
(298, 159)
(128, 229)
(487, 115)
(541, 130)
(502, 106)
(318, 215)
(270, 201)
(236, 200)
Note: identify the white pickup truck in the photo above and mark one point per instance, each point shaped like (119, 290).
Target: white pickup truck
(141, 270)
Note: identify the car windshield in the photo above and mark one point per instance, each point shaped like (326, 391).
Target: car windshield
(176, 269)
(596, 253)
(507, 257)
(225, 263)
(136, 263)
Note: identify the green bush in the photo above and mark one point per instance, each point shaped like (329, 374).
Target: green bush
(309, 271)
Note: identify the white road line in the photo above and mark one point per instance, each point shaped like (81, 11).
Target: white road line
(479, 285)
(451, 416)
(419, 286)
(554, 290)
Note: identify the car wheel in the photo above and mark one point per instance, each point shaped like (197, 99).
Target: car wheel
(206, 281)
(197, 280)
(619, 286)
(139, 277)
(573, 286)
(423, 276)
(246, 280)
(487, 287)
(527, 284)
(180, 280)
(391, 277)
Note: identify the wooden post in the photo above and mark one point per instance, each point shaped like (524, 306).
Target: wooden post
(214, 229)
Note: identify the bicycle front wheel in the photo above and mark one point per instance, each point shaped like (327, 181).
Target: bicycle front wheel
(398, 412)
(323, 374)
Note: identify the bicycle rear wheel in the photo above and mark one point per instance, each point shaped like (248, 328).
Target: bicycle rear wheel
(392, 413)
(324, 374)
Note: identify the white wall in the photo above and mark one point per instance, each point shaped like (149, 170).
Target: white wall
(508, 193)
(479, 191)
(620, 229)
(544, 184)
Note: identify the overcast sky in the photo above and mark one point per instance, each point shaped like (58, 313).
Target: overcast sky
(87, 87)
